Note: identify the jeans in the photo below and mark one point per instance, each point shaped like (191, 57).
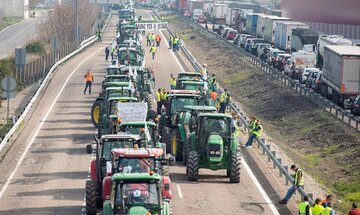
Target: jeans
(170, 44)
(88, 84)
(153, 56)
(148, 43)
(290, 192)
(250, 140)
(159, 104)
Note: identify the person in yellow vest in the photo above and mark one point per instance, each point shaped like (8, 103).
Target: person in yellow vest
(158, 101)
(172, 82)
(317, 209)
(163, 97)
(256, 132)
(89, 78)
(298, 182)
(328, 209)
(222, 102)
(153, 37)
(304, 206)
(153, 51)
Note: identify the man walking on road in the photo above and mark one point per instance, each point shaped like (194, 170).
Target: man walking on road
(256, 132)
(89, 80)
(298, 182)
(107, 52)
(304, 206)
(158, 40)
(153, 51)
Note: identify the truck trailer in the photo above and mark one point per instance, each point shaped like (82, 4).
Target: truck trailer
(218, 12)
(301, 37)
(251, 22)
(270, 24)
(283, 32)
(341, 74)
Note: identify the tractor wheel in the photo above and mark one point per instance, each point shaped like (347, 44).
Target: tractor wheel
(148, 99)
(176, 145)
(95, 113)
(165, 170)
(193, 166)
(186, 147)
(166, 138)
(91, 197)
(235, 168)
(161, 126)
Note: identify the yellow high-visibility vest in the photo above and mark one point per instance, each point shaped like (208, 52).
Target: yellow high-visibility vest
(172, 81)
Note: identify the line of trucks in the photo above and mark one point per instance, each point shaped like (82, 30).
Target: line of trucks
(134, 145)
(337, 57)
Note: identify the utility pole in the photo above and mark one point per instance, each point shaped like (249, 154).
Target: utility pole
(77, 21)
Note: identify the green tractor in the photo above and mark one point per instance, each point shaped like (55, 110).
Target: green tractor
(213, 145)
(133, 56)
(113, 69)
(136, 194)
(168, 124)
(99, 164)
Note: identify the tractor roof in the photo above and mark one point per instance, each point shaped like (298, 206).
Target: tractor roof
(184, 95)
(128, 49)
(126, 68)
(137, 153)
(200, 108)
(149, 123)
(135, 177)
(194, 82)
(113, 66)
(189, 92)
(214, 115)
(189, 74)
(120, 86)
(120, 136)
(123, 99)
(116, 76)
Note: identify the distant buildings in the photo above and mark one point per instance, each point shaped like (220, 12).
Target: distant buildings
(17, 8)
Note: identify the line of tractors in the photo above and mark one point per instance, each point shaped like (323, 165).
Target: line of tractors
(129, 170)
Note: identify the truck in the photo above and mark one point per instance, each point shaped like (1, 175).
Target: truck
(329, 40)
(192, 5)
(283, 31)
(340, 79)
(231, 15)
(270, 24)
(251, 22)
(303, 59)
(301, 37)
(260, 25)
(218, 12)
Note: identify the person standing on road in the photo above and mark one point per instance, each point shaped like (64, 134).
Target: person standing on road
(89, 78)
(354, 209)
(153, 37)
(148, 40)
(112, 53)
(304, 206)
(317, 209)
(158, 40)
(172, 82)
(170, 42)
(328, 209)
(227, 98)
(153, 51)
(324, 202)
(107, 52)
(98, 33)
(222, 102)
(158, 100)
(256, 132)
(298, 182)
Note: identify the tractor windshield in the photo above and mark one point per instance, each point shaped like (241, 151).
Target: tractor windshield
(138, 194)
(110, 144)
(178, 103)
(220, 126)
(194, 87)
(135, 165)
(138, 131)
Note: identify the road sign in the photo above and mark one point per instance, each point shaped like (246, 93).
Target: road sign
(152, 25)
(8, 95)
(8, 83)
(20, 56)
(132, 111)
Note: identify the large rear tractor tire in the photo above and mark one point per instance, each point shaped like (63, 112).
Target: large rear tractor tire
(186, 147)
(235, 168)
(148, 99)
(176, 145)
(91, 197)
(95, 113)
(166, 138)
(192, 166)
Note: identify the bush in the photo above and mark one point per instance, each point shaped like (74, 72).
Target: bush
(36, 47)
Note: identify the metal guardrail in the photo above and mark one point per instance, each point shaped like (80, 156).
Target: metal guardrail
(277, 162)
(43, 84)
(338, 112)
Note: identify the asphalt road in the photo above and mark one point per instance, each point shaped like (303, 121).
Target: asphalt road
(17, 35)
(45, 170)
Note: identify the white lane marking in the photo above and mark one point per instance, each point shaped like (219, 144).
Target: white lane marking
(247, 168)
(41, 125)
(179, 191)
(167, 44)
(259, 187)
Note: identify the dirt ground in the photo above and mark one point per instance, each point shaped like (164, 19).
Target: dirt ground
(322, 146)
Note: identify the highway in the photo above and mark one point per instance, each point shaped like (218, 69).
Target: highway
(45, 170)
(17, 35)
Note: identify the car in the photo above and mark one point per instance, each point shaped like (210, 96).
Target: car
(231, 34)
(236, 39)
(260, 48)
(225, 31)
(202, 19)
(243, 39)
(310, 81)
(253, 48)
(306, 72)
(275, 52)
(355, 108)
(281, 60)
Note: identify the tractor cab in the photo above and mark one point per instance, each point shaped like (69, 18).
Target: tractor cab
(121, 90)
(130, 54)
(100, 165)
(189, 76)
(194, 85)
(138, 128)
(114, 79)
(136, 193)
(176, 103)
(214, 145)
(113, 69)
